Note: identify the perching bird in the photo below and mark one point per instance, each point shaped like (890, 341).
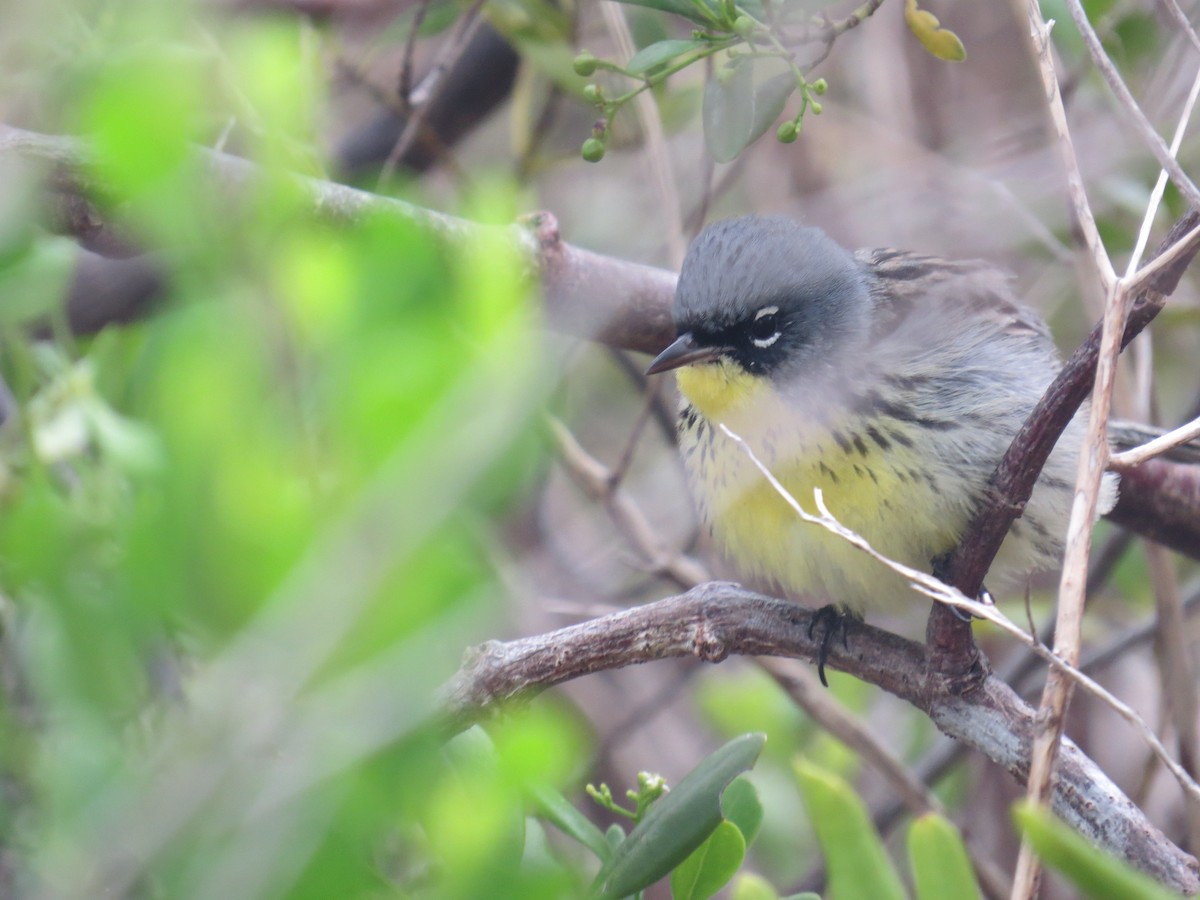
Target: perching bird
(894, 382)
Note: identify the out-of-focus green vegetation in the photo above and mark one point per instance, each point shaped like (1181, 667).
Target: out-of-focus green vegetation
(245, 538)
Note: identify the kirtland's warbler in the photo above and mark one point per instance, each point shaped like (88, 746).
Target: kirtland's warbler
(894, 382)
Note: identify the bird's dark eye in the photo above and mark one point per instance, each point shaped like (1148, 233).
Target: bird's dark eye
(764, 329)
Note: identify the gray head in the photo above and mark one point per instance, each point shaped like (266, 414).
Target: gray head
(769, 294)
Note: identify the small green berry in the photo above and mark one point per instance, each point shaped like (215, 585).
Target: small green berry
(592, 150)
(585, 64)
(787, 132)
(744, 26)
(819, 86)
(593, 94)
(815, 107)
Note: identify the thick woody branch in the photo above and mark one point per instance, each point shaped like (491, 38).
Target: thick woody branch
(619, 303)
(716, 620)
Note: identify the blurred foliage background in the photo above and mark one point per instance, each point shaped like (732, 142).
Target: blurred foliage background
(245, 536)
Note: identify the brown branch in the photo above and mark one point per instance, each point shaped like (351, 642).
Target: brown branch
(716, 620)
(952, 649)
(1159, 500)
(628, 305)
(614, 302)
(432, 85)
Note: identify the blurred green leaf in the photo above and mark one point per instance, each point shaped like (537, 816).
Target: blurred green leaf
(142, 114)
(741, 806)
(555, 808)
(34, 280)
(709, 867)
(1134, 37)
(770, 97)
(855, 857)
(728, 112)
(753, 887)
(1092, 871)
(737, 702)
(941, 865)
(659, 53)
(677, 823)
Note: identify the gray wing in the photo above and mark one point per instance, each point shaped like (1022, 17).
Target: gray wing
(905, 284)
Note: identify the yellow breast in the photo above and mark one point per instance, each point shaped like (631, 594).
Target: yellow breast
(873, 484)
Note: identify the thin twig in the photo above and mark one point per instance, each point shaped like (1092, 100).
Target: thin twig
(1143, 349)
(1184, 24)
(1129, 106)
(951, 596)
(596, 481)
(1040, 32)
(1185, 246)
(1176, 671)
(650, 400)
(431, 86)
(1160, 185)
(404, 87)
(655, 141)
(1127, 459)
(1056, 695)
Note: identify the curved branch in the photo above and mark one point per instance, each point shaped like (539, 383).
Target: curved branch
(717, 620)
(623, 304)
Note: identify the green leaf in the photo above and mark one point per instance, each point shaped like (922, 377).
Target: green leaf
(940, 864)
(556, 809)
(1093, 872)
(678, 823)
(33, 282)
(741, 806)
(728, 110)
(770, 97)
(710, 866)
(656, 54)
(753, 887)
(941, 42)
(686, 8)
(855, 857)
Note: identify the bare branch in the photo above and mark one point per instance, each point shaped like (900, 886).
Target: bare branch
(431, 86)
(716, 620)
(655, 142)
(1129, 106)
(1062, 664)
(1012, 483)
(597, 482)
(1058, 118)
(1135, 457)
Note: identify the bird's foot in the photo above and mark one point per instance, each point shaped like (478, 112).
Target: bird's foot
(830, 620)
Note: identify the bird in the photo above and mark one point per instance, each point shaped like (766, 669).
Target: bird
(892, 381)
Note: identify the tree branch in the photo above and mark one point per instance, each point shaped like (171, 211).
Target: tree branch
(716, 620)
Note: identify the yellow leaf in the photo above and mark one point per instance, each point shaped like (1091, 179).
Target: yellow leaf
(941, 42)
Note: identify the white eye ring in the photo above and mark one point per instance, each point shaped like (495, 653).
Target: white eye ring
(768, 341)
